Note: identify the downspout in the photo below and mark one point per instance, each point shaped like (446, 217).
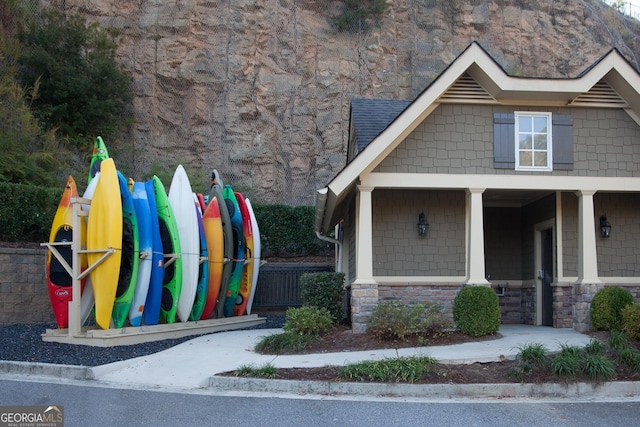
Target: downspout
(320, 206)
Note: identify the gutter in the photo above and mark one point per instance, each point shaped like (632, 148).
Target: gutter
(321, 203)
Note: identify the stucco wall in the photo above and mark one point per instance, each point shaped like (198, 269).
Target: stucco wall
(397, 248)
(458, 139)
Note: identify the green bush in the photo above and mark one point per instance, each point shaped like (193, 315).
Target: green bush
(393, 320)
(26, 212)
(399, 369)
(323, 290)
(606, 308)
(631, 321)
(476, 311)
(286, 342)
(81, 88)
(308, 321)
(288, 231)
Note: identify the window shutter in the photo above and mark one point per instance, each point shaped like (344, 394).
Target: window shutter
(504, 144)
(562, 133)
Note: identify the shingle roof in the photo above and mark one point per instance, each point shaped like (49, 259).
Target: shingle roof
(371, 116)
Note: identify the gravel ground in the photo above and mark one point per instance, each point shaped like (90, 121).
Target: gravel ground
(23, 342)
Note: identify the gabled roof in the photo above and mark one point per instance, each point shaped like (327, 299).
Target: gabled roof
(371, 116)
(476, 78)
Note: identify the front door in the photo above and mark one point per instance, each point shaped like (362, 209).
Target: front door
(546, 275)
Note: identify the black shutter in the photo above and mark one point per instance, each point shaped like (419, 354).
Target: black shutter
(504, 144)
(562, 133)
(504, 141)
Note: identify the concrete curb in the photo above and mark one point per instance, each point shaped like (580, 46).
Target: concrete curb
(436, 391)
(72, 372)
(626, 389)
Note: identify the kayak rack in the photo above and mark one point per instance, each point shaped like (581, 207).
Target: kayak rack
(78, 334)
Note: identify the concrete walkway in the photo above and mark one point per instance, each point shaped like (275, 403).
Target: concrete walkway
(193, 365)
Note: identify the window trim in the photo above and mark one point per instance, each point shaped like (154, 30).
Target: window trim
(549, 150)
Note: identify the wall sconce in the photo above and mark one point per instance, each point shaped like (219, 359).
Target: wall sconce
(605, 227)
(422, 225)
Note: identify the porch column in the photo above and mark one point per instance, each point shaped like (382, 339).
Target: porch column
(587, 257)
(588, 281)
(475, 249)
(364, 290)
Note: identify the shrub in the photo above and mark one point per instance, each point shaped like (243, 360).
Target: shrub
(606, 308)
(26, 212)
(287, 342)
(288, 230)
(630, 357)
(476, 311)
(265, 371)
(308, 321)
(618, 340)
(393, 320)
(565, 365)
(631, 321)
(533, 354)
(599, 368)
(323, 290)
(405, 369)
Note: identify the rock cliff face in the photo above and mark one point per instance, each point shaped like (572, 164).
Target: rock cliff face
(260, 89)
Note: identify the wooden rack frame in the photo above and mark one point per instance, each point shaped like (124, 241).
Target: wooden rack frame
(77, 334)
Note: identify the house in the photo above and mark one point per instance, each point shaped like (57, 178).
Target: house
(528, 185)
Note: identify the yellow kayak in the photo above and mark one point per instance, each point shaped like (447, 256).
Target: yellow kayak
(104, 231)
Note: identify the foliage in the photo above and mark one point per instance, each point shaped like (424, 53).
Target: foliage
(400, 369)
(26, 212)
(533, 354)
(357, 16)
(599, 368)
(288, 230)
(323, 290)
(392, 320)
(78, 88)
(618, 340)
(631, 321)
(28, 155)
(308, 321)
(629, 357)
(265, 371)
(476, 311)
(606, 308)
(303, 327)
(287, 342)
(38, 204)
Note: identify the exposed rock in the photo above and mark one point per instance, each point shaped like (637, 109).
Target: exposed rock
(260, 89)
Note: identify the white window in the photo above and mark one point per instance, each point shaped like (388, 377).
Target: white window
(533, 141)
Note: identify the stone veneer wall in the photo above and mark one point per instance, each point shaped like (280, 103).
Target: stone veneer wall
(23, 289)
(562, 306)
(443, 294)
(528, 295)
(511, 306)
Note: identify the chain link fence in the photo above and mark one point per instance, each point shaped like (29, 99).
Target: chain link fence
(261, 89)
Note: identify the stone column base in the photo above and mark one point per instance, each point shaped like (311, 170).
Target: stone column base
(364, 298)
(582, 295)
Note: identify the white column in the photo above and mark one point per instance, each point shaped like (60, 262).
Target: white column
(364, 237)
(587, 256)
(475, 252)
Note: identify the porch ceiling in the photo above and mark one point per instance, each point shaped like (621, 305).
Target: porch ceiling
(513, 198)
